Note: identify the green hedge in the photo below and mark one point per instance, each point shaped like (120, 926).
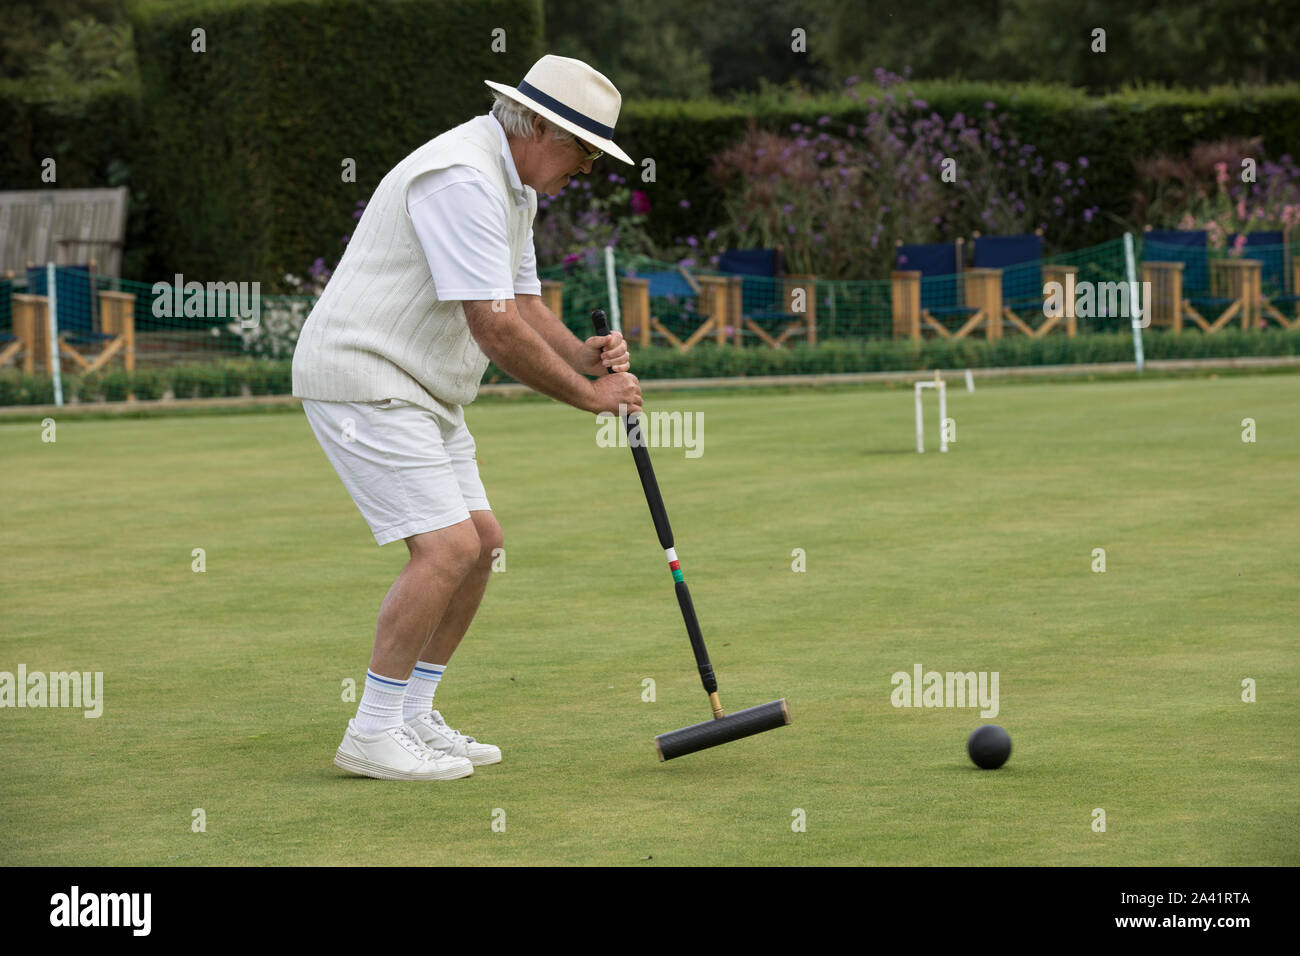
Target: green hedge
(248, 138)
(84, 135)
(233, 155)
(275, 376)
(191, 380)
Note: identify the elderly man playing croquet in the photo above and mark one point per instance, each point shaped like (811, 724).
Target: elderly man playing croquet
(439, 278)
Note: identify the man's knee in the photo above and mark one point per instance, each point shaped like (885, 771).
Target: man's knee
(453, 549)
(491, 537)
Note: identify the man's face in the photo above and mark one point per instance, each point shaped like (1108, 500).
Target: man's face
(557, 162)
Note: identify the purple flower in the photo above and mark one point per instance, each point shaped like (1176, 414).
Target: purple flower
(1083, 162)
(852, 80)
(692, 241)
(1087, 215)
(685, 204)
(823, 120)
(640, 203)
(990, 105)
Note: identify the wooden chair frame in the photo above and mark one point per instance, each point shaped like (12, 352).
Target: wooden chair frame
(801, 286)
(634, 302)
(1236, 279)
(116, 318)
(980, 289)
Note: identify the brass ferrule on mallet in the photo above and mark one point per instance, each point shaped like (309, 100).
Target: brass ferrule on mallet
(717, 706)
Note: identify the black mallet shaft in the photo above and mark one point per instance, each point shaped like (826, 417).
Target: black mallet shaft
(723, 728)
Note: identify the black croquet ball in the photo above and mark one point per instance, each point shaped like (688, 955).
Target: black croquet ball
(989, 747)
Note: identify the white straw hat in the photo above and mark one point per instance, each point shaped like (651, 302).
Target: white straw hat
(574, 97)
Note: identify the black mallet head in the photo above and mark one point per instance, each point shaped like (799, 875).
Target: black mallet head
(722, 730)
(989, 747)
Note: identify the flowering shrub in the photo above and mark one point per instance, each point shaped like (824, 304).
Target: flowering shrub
(1206, 190)
(278, 327)
(575, 226)
(838, 200)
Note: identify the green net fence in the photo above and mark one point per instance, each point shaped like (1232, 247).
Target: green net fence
(222, 339)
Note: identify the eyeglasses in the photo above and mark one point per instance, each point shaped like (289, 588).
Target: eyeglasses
(590, 155)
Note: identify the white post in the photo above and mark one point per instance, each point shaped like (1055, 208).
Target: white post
(1133, 308)
(611, 280)
(943, 411)
(920, 424)
(939, 386)
(53, 299)
(970, 381)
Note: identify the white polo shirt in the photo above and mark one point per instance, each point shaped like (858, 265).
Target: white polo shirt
(458, 217)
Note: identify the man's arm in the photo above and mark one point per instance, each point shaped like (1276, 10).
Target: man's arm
(554, 332)
(509, 341)
(581, 357)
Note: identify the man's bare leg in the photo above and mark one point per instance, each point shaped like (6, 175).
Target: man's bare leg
(455, 621)
(418, 599)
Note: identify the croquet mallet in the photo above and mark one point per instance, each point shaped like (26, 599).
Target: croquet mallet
(723, 728)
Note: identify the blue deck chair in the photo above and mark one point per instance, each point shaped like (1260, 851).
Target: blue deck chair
(672, 304)
(10, 346)
(1020, 258)
(941, 296)
(1269, 248)
(764, 289)
(78, 318)
(1186, 247)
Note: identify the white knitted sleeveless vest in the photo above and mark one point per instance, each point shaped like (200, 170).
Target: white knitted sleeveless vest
(378, 330)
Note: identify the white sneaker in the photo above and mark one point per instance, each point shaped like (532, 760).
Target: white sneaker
(434, 732)
(397, 754)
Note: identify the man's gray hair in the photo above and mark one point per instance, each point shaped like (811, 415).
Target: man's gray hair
(517, 119)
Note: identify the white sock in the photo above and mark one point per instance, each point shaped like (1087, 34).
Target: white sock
(381, 705)
(424, 684)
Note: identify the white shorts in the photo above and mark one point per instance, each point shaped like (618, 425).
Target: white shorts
(408, 470)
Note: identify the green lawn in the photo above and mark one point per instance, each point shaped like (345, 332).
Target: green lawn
(1122, 690)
